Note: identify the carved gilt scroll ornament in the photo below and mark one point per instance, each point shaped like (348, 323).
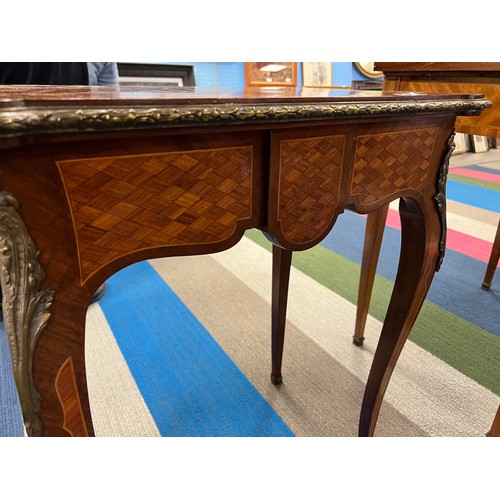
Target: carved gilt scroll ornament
(440, 196)
(25, 306)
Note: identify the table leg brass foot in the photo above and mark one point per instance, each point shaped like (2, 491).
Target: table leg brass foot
(375, 224)
(99, 293)
(282, 260)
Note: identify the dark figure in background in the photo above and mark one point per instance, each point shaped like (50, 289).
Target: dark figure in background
(60, 73)
(44, 73)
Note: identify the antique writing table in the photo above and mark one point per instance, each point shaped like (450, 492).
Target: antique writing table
(95, 179)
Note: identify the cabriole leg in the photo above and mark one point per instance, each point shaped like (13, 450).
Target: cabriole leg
(419, 255)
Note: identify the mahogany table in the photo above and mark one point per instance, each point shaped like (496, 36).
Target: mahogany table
(95, 179)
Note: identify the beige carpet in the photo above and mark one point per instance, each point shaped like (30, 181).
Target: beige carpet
(324, 373)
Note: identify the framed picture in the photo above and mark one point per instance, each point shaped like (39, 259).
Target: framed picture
(317, 74)
(493, 142)
(367, 85)
(172, 75)
(368, 70)
(271, 73)
(461, 145)
(479, 144)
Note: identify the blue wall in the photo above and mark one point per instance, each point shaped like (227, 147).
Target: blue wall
(232, 74)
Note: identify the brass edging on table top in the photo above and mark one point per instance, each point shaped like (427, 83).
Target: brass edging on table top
(24, 121)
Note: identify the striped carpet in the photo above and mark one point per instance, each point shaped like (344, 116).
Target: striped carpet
(181, 346)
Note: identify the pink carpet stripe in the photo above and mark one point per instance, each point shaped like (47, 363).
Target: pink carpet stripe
(459, 242)
(476, 174)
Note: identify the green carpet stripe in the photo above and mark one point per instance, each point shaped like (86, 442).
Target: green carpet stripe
(462, 345)
(494, 186)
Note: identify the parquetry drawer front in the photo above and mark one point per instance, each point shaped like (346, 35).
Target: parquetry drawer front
(309, 172)
(123, 204)
(386, 164)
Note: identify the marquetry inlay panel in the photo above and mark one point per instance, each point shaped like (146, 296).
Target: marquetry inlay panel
(124, 204)
(310, 171)
(488, 123)
(386, 164)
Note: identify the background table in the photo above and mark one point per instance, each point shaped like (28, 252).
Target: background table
(483, 78)
(95, 179)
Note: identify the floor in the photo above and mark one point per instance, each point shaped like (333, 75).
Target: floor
(490, 159)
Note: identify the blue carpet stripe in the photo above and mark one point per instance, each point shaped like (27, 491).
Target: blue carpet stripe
(11, 423)
(486, 170)
(468, 302)
(192, 388)
(473, 195)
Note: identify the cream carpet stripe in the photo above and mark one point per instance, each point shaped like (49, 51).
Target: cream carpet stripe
(467, 219)
(319, 397)
(118, 409)
(490, 159)
(438, 398)
(476, 213)
(471, 226)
